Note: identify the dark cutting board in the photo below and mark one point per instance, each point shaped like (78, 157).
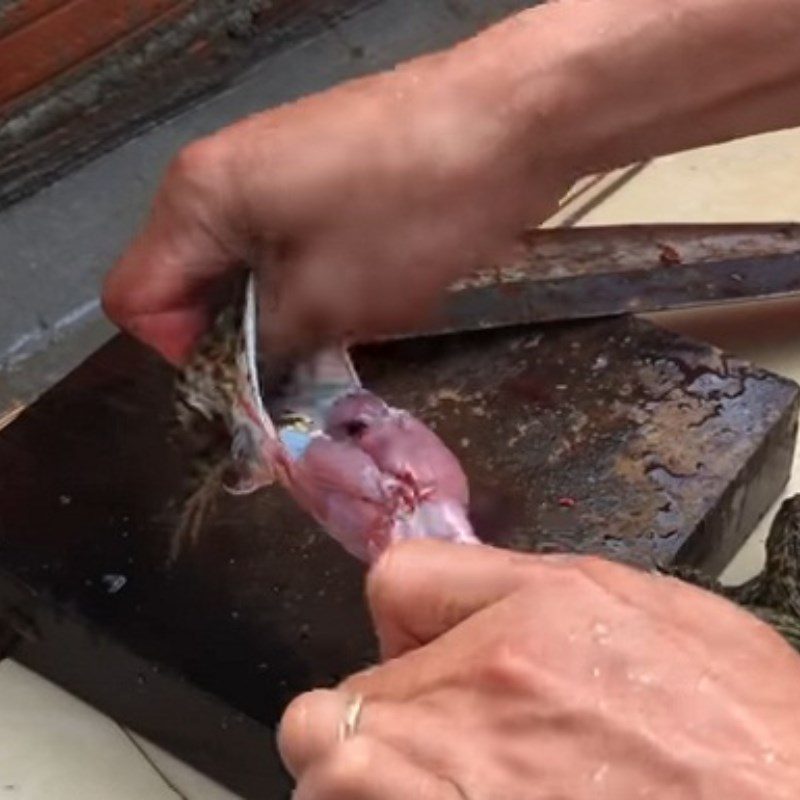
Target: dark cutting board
(611, 437)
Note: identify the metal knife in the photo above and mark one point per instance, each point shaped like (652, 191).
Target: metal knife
(582, 273)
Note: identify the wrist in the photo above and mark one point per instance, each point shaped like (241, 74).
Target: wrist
(524, 83)
(506, 123)
(596, 86)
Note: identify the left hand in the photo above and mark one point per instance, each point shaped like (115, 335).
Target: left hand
(524, 678)
(357, 206)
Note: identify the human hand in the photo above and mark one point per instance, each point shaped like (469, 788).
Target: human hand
(522, 677)
(357, 207)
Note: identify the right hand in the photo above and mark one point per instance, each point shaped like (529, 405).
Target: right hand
(526, 677)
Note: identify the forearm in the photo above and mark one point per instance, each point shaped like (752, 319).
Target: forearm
(370, 198)
(604, 83)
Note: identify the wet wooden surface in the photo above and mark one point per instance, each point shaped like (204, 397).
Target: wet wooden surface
(612, 437)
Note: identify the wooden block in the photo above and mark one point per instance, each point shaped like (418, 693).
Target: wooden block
(610, 437)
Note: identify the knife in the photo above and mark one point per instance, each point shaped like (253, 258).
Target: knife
(583, 273)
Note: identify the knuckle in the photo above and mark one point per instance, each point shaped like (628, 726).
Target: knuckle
(590, 562)
(593, 563)
(294, 725)
(199, 164)
(396, 574)
(602, 573)
(349, 767)
(386, 577)
(192, 158)
(507, 666)
(572, 571)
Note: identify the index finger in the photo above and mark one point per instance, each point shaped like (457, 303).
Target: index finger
(419, 590)
(160, 288)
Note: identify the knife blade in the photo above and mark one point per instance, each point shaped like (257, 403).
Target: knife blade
(583, 273)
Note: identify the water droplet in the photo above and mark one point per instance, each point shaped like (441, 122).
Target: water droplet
(600, 774)
(114, 583)
(600, 633)
(64, 499)
(643, 678)
(703, 684)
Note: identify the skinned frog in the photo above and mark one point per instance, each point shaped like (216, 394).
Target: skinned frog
(368, 473)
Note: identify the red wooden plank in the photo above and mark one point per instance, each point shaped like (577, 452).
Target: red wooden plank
(69, 35)
(24, 12)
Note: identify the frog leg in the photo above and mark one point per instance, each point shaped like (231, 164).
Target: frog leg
(782, 572)
(197, 509)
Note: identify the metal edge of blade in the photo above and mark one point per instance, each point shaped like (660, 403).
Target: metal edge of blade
(351, 368)
(250, 355)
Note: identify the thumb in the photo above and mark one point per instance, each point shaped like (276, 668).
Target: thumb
(419, 590)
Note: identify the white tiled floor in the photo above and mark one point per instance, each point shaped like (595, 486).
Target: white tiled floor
(52, 747)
